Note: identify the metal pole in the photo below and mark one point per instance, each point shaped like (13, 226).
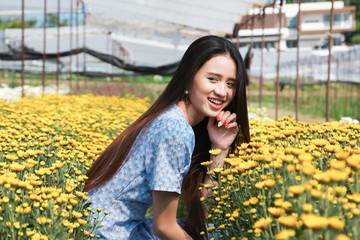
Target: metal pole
(84, 43)
(77, 46)
(329, 64)
(58, 48)
(70, 61)
(337, 82)
(107, 52)
(22, 49)
(251, 45)
(297, 84)
(262, 58)
(238, 37)
(44, 50)
(278, 65)
(358, 95)
(250, 56)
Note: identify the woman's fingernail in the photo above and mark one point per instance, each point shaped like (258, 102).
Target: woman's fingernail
(224, 123)
(219, 124)
(227, 126)
(217, 118)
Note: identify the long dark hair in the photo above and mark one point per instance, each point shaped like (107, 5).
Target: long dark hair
(198, 53)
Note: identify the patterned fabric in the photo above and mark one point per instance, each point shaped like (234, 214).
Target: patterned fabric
(158, 160)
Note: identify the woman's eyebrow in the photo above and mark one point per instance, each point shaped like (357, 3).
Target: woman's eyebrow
(215, 74)
(219, 75)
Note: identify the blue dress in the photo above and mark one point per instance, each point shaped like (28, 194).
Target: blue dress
(158, 160)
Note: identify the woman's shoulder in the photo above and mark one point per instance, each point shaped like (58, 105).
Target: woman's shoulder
(173, 114)
(172, 121)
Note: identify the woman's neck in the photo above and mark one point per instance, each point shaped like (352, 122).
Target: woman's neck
(191, 115)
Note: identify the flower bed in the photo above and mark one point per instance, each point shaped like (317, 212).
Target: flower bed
(46, 146)
(294, 180)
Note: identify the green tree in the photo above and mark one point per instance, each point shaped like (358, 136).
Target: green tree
(51, 20)
(16, 23)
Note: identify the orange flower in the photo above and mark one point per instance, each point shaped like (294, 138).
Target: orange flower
(297, 189)
(342, 237)
(276, 212)
(253, 200)
(285, 234)
(287, 206)
(336, 223)
(287, 221)
(269, 183)
(305, 157)
(354, 161)
(262, 223)
(307, 207)
(313, 221)
(319, 142)
(342, 155)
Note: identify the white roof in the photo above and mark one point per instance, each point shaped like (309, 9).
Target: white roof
(154, 32)
(196, 17)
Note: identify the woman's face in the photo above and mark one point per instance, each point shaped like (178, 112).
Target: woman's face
(213, 86)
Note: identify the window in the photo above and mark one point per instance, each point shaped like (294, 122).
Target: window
(326, 19)
(292, 23)
(269, 45)
(337, 19)
(311, 20)
(291, 44)
(337, 41)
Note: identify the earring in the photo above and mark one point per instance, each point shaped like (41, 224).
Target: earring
(186, 92)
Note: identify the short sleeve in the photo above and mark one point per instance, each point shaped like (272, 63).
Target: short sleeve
(169, 156)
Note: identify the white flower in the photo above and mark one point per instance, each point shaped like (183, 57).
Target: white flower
(348, 120)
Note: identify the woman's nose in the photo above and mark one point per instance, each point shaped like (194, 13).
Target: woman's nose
(220, 89)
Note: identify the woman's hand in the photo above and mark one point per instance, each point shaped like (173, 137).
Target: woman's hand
(223, 131)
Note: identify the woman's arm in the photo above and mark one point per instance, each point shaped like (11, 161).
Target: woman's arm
(165, 226)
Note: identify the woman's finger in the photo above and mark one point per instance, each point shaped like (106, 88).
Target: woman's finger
(230, 119)
(223, 118)
(232, 125)
(219, 117)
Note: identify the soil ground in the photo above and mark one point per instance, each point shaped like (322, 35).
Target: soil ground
(301, 117)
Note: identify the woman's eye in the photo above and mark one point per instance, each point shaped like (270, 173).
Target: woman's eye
(212, 79)
(230, 84)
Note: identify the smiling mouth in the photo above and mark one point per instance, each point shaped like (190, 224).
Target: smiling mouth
(215, 101)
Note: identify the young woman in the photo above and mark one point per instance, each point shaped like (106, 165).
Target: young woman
(158, 156)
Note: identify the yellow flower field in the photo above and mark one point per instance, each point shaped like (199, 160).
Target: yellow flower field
(46, 146)
(294, 180)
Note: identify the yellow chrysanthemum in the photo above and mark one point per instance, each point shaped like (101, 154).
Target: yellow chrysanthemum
(215, 152)
(262, 223)
(285, 234)
(313, 221)
(287, 221)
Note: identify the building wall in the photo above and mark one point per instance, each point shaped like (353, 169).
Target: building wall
(314, 29)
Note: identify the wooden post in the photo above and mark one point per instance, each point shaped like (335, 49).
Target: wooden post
(278, 65)
(84, 41)
(70, 60)
(77, 46)
(327, 112)
(22, 49)
(297, 64)
(44, 49)
(58, 47)
(262, 58)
